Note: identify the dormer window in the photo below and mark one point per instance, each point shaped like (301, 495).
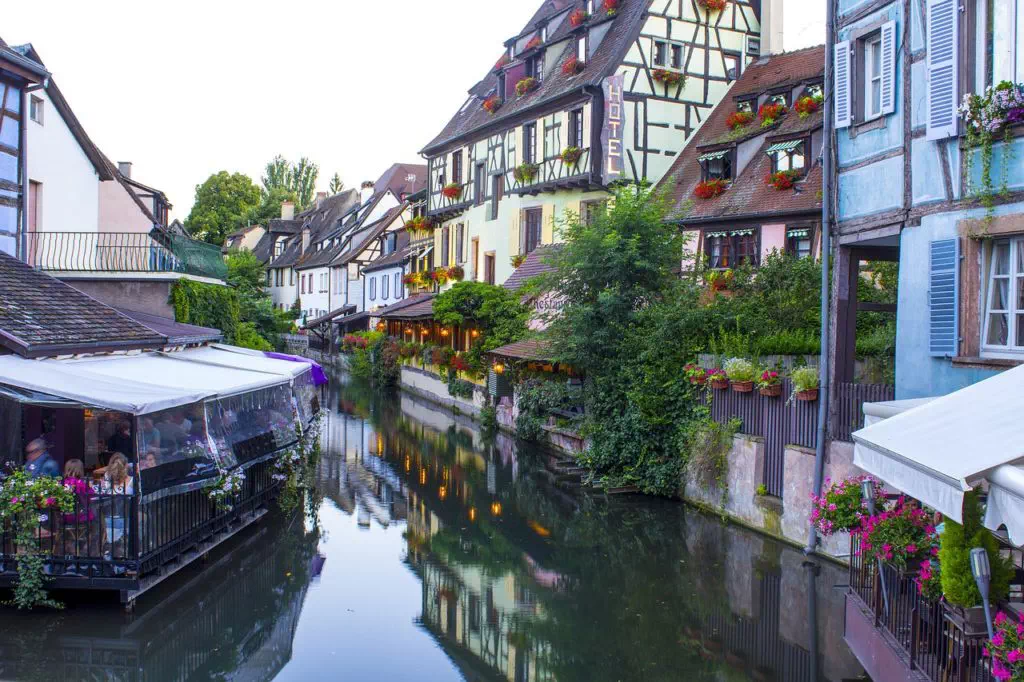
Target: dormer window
(788, 155)
(716, 165)
(581, 48)
(535, 67)
(501, 87)
(814, 90)
(512, 51)
(589, 6)
(779, 98)
(746, 105)
(544, 33)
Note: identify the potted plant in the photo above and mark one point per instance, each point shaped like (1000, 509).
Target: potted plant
(770, 384)
(524, 173)
(805, 383)
(695, 374)
(901, 536)
(610, 7)
(578, 17)
(719, 280)
(492, 104)
(709, 189)
(502, 62)
(440, 275)
(1007, 649)
(717, 379)
(984, 117)
(412, 279)
(418, 223)
(456, 273)
(713, 5)
(929, 579)
(962, 601)
(807, 105)
(842, 507)
(571, 156)
(739, 119)
(525, 85)
(770, 113)
(518, 259)
(452, 190)
(668, 77)
(783, 179)
(572, 66)
(741, 373)
(533, 43)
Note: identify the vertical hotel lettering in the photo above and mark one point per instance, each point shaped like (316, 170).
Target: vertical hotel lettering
(612, 130)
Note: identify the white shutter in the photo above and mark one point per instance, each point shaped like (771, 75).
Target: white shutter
(841, 85)
(943, 23)
(888, 67)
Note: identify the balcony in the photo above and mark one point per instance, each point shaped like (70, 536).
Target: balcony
(554, 174)
(443, 207)
(123, 252)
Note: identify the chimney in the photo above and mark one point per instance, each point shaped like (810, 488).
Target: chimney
(320, 196)
(305, 237)
(365, 192)
(287, 210)
(771, 27)
(125, 168)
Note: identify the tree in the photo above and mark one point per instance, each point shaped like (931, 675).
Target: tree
(222, 205)
(247, 276)
(270, 205)
(494, 310)
(299, 178)
(336, 185)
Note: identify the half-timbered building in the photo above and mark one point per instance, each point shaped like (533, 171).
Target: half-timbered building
(589, 93)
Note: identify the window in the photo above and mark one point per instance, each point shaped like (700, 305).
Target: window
(872, 77)
(279, 246)
(532, 221)
(660, 53)
(749, 105)
(814, 90)
(489, 268)
(731, 249)
(440, 181)
(753, 47)
(576, 128)
(779, 98)
(501, 86)
(497, 187)
(535, 67)
(445, 244)
(35, 109)
(1004, 307)
(373, 288)
(268, 278)
(865, 69)
(676, 56)
(732, 66)
(716, 165)
(302, 284)
(589, 6)
(460, 243)
(591, 209)
(398, 285)
(788, 155)
(798, 242)
(581, 48)
(479, 186)
(384, 283)
(717, 245)
(544, 33)
(1000, 51)
(457, 166)
(291, 277)
(530, 143)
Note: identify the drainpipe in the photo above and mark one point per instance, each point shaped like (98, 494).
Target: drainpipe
(23, 151)
(826, 227)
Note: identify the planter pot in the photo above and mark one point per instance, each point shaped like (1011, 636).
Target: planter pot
(719, 384)
(971, 621)
(771, 391)
(743, 386)
(698, 382)
(810, 395)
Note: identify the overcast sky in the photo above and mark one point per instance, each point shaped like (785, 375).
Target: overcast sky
(184, 89)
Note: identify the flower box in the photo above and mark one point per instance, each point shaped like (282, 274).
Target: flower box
(742, 386)
(452, 190)
(533, 43)
(572, 66)
(504, 61)
(571, 156)
(782, 180)
(524, 173)
(418, 223)
(668, 77)
(713, 5)
(492, 104)
(770, 113)
(456, 273)
(739, 119)
(610, 7)
(709, 189)
(807, 105)
(971, 621)
(578, 18)
(526, 85)
(718, 380)
(772, 391)
(808, 396)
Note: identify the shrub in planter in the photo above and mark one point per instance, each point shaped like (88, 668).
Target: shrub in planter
(770, 113)
(695, 374)
(842, 507)
(770, 383)
(741, 373)
(526, 172)
(571, 155)
(784, 179)
(518, 260)
(668, 77)
(958, 584)
(572, 66)
(456, 273)
(419, 223)
(713, 5)
(807, 105)
(452, 190)
(525, 85)
(492, 104)
(578, 17)
(709, 189)
(717, 378)
(739, 119)
(805, 383)
(901, 536)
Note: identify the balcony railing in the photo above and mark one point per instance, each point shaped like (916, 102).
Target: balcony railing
(553, 171)
(123, 252)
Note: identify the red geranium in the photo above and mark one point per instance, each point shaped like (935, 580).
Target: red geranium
(713, 5)
(770, 112)
(667, 77)
(502, 62)
(452, 190)
(572, 66)
(782, 179)
(459, 364)
(807, 105)
(456, 273)
(533, 42)
(492, 104)
(709, 189)
(578, 17)
(738, 119)
(610, 7)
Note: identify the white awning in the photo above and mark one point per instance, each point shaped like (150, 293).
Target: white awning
(1006, 502)
(937, 451)
(783, 146)
(711, 156)
(242, 358)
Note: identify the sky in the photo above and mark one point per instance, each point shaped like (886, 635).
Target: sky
(185, 89)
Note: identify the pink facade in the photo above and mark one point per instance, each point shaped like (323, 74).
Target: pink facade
(119, 212)
(773, 236)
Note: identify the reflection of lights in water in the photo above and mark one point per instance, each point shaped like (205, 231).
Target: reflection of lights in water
(472, 513)
(538, 529)
(444, 473)
(442, 492)
(380, 445)
(408, 463)
(423, 476)
(496, 508)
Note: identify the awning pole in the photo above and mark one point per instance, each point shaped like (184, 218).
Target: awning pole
(826, 228)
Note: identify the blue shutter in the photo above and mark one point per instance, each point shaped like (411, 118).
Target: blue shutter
(943, 295)
(943, 55)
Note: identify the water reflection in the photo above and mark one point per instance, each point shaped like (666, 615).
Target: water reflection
(445, 556)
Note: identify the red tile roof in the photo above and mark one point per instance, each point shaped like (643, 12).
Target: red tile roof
(530, 349)
(535, 264)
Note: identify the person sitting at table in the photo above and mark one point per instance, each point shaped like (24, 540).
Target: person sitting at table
(74, 479)
(148, 436)
(116, 480)
(121, 440)
(38, 461)
(148, 461)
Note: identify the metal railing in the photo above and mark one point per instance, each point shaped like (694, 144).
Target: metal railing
(135, 252)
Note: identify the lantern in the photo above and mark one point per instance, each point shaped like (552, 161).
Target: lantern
(499, 368)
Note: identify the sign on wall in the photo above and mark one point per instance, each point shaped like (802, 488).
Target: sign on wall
(612, 130)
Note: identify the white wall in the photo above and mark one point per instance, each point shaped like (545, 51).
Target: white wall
(70, 186)
(393, 296)
(317, 302)
(118, 211)
(286, 293)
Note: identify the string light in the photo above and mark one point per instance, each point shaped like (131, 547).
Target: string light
(496, 508)
(472, 513)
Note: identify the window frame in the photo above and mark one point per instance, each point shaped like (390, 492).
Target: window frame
(37, 109)
(373, 289)
(575, 133)
(733, 239)
(738, 56)
(533, 234)
(1013, 312)
(480, 183)
(792, 243)
(728, 160)
(659, 53)
(457, 166)
(790, 154)
(385, 283)
(530, 142)
(868, 63)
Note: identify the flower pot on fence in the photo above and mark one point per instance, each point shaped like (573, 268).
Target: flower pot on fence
(971, 621)
(773, 391)
(743, 386)
(719, 384)
(810, 395)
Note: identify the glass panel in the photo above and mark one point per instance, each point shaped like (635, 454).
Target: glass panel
(250, 425)
(1001, 258)
(173, 447)
(8, 244)
(1019, 341)
(8, 218)
(876, 59)
(797, 160)
(997, 329)
(1020, 294)
(13, 101)
(876, 96)
(9, 132)
(1000, 294)
(1020, 257)
(8, 167)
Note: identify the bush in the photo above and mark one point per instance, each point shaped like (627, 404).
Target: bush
(537, 397)
(958, 584)
(385, 369)
(709, 445)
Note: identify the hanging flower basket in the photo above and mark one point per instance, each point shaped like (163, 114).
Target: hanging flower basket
(492, 104)
(717, 379)
(502, 62)
(805, 383)
(610, 7)
(739, 119)
(770, 384)
(668, 77)
(808, 396)
(572, 66)
(709, 189)
(524, 173)
(452, 190)
(526, 85)
(770, 113)
(713, 5)
(419, 223)
(518, 260)
(578, 18)
(533, 43)
(695, 374)
(440, 275)
(571, 156)
(781, 180)
(807, 105)
(456, 273)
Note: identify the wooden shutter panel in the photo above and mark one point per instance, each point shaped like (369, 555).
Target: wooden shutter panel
(888, 35)
(841, 90)
(943, 25)
(943, 294)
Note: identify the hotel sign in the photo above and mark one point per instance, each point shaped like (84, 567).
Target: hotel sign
(613, 161)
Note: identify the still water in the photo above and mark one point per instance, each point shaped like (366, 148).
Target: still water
(437, 554)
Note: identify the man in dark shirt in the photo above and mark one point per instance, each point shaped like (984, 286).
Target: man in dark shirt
(121, 441)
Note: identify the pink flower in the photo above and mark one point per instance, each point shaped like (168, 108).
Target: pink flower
(1000, 671)
(999, 639)
(935, 552)
(832, 507)
(50, 501)
(886, 547)
(1015, 656)
(1000, 618)
(14, 500)
(911, 549)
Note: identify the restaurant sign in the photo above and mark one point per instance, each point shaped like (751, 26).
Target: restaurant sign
(613, 166)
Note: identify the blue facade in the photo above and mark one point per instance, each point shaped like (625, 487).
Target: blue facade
(884, 200)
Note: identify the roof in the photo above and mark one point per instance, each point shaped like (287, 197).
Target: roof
(397, 179)
(176, 333)
(535, 264)
(409, 308)
(395, 258)
(748, 195)
(40, 315)
(528, 349)
(32, 69)
(366, 236)
(338, 312)
(472, 118)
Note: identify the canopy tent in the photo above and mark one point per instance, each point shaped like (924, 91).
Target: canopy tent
(938, 450)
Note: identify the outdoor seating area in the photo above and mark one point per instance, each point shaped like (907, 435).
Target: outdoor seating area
(160, 450)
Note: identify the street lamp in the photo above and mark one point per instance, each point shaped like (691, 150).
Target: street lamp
(982, 572)
(867, 492)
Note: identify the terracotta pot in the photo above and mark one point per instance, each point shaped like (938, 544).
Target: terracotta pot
(699, 381)
(773, 391)
(971, 621)
(810, 395)
(743, 386)
(719, 384)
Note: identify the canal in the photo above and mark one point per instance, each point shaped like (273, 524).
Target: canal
(433, 553)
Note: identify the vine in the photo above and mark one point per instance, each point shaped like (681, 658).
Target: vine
(295, 466)
(709, 444)
(984, 117)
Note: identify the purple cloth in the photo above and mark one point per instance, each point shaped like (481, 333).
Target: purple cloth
(319, 378)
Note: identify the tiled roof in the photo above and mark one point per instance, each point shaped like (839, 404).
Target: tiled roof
(40, 315)
(409, 308)
(396, 178)
(365, 237)
(339, 312)
(176, 332)
(748, 195)
(609, 54)
(535, 264)
(392, 259)
(530, 349)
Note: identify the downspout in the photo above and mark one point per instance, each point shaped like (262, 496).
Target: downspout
(826, 228)
(23, 151)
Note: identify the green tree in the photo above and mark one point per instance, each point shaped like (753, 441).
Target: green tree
(298, 178)
(494, 310)
(248, 276)
(336, 185)
(270, 205)
(222, 204)
(958, 585)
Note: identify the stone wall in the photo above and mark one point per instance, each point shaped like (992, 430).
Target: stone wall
(431, 387)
